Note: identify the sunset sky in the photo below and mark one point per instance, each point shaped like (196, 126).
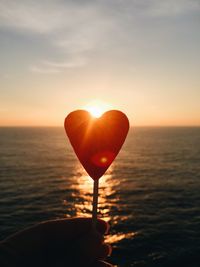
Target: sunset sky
(139, 56)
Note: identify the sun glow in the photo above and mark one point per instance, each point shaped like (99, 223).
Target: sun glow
(95, 111)
(97, 108)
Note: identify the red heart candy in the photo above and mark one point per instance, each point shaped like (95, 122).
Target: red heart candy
(96, 141)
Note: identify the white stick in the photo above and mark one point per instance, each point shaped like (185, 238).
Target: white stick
(95, 203)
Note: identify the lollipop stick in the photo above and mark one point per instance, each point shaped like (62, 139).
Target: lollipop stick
(95, 203)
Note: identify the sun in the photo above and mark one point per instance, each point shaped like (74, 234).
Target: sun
(97, 108)
(95, 111)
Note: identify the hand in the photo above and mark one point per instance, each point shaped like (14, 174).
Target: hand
(66, 242)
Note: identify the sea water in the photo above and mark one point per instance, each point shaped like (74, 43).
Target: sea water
(150, 195)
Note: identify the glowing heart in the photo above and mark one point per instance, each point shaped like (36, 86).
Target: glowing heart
(96, 141)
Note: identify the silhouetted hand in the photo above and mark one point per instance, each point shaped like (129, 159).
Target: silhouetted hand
(66, 242)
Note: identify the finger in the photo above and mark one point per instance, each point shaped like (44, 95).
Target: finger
(102, 227)
(70, 229)
(102, 264)
(104, 251)
(91, 248)
(74, 238)
(53, 232)
(88, 247)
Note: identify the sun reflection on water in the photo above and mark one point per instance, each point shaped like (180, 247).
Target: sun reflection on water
(118, 237)
(83, 189)
(82, 193)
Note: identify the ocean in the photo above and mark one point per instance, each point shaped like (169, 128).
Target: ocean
(150, 195)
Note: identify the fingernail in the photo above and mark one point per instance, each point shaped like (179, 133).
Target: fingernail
(105, 264)
(107, 229)
(105, 251)
(103, 227)
(109, 250)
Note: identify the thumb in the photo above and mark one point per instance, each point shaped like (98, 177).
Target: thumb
(76, 239)
(88, 248)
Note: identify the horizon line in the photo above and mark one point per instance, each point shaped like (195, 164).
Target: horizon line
(60, 126)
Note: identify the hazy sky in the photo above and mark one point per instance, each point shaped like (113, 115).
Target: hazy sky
(139, 56)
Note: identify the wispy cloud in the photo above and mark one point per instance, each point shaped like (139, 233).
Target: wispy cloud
(69, 64)
(57, 67)
(43, 70)
(35, 16)
(171, 7)
(77, 44)
(73, 29)
(23, 16)
(76, 28)
(48, 16)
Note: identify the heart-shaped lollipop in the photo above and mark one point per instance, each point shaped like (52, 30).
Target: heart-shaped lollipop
(96, 141)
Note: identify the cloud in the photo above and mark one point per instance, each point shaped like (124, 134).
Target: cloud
(78, 62)
(79, 43)
(77, 29)
(71, 28)
(43, 70)
(28, 15)
(172, 7)
(48, 16)
(57, 67)
(36, 16)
